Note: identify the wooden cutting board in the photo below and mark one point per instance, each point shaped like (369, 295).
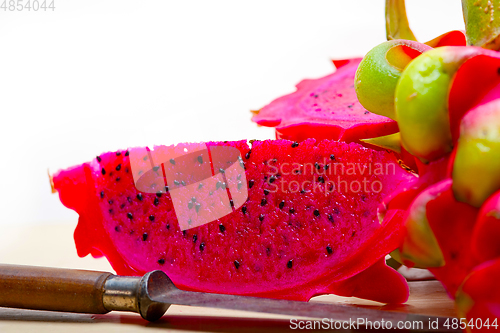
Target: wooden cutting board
(52, 245)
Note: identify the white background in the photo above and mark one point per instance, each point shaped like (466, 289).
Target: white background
(97, 75)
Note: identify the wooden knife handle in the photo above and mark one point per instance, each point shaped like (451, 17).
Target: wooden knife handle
(54, 289)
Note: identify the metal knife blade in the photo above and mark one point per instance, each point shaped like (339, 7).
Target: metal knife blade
(57, 289)
(352, 316)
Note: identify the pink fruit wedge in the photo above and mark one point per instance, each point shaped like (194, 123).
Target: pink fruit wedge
(325, 108)
(297, 222)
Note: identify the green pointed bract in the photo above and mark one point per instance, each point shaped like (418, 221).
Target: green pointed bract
(379, 72)
(463, 302)
(420, 246)
(482, 23)
(396, 21)
(476, 167)
(393, 263)
(390, 142)
(421, 101)
(396, 256)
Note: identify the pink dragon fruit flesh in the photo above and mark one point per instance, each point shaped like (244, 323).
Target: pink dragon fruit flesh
(300, 218)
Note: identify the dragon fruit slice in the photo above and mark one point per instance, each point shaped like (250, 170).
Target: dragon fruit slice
(325, 108)
(284, 241)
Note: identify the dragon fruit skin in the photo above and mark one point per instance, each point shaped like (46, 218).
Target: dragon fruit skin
(426, 120)
(450, 223)
(476, 82)
(330, 243)
(466, 236)
(479, 297)
(454, 240)
(477, 159)
(325, 108)
(486, 232)
(450, 38)
(435, 95)
(401, 199)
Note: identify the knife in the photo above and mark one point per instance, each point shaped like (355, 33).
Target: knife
(68, 290)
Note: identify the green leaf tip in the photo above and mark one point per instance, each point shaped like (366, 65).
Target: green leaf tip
(482, 23)
(396, 21)
(390, 142)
